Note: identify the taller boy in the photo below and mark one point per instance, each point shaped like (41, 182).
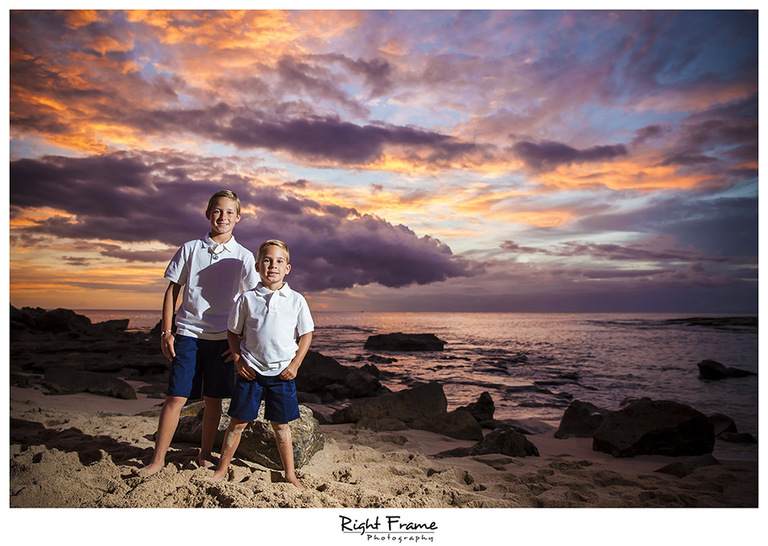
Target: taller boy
(213, 272)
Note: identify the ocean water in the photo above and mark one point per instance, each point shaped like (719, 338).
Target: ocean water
(534, 365)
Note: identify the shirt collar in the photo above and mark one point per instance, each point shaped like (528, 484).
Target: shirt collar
(264, 291)
(218, 248)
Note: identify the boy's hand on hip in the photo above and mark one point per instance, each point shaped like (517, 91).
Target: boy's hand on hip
(288, 373)
(244, 369)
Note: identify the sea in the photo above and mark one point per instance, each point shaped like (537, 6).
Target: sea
(534, 365)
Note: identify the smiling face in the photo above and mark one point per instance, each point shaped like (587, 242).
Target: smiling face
(223, 216)
(273, 266)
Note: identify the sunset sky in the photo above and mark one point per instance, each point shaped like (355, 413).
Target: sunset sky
(412, 160)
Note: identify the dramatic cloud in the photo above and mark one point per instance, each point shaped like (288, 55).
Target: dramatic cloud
(467, 160)
(332, 246)
(548, 155)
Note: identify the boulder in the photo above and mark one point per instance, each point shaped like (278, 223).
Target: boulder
(404, 342)
(650, 427)
(257, 443)
(713, 370)
(362, 384)
(722, 423)
(62, 320)
(68, 381)
(483, 409)
(504, 441)
(317, 371)
(581, 419)
(406, 406)
(459, 424)
(684, 467)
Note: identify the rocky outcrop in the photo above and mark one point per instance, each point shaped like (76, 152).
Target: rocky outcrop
(66, 381)
(404, 342)
(457, 424)
(482, 410)
(648, 427)
(504, 441)
(257, 443)
(581, 419)
(323, 376)
(407, 405)
(713, 370)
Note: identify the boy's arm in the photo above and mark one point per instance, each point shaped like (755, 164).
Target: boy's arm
(293, 368)
(169, 306)
(234, 347)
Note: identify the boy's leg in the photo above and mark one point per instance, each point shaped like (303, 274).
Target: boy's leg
(229, 447)
(211, 418)
(218, 383)
(169, 420)
(285, 448)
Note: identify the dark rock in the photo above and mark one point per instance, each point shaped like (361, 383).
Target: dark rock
(371, 369)
(722, 423)
(407, 405)
(383, 424)
(404, 342)
(66, 381)
(713, 370)
(654, 428)
(459, 424)
(504, 441)
(116, 325)
(738, 437)
(362, 384)
(684, 467)
(483, 409)
(317, 371)
(377, 359)
(308, 398)
(257, 443)
(525, 426)
(62, 320)
(581, 419)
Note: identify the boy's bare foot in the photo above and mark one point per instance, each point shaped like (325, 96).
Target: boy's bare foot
(150, 469)
(297, 483)
(221, 475)
(206, 462)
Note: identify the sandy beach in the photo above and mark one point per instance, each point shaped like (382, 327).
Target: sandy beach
(79, 450)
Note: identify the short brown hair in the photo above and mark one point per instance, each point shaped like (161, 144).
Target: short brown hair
(229, 194)
(273, 242)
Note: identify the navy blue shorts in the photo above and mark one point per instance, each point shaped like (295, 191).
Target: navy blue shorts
(280, 402)
(199, 368)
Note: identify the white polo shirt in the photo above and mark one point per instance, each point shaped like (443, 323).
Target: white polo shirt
(213, 276)
(271, 323)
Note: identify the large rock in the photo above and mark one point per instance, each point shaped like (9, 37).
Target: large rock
(713, 370)
(257, 443)
(505, 441)
(407, 405)
(649, 427)
(68, 381)
(459, 424)
(62, 320)
(581, 419)
(324, 376)
(404, 342)
(317, 371)
(483, 409)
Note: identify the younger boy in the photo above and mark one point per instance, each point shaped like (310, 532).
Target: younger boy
(277, 327)
(213, 271)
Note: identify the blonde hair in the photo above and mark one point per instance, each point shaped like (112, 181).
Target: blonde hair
(273, 242)
(229, 194)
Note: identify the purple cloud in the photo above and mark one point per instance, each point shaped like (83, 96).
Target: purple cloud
(157, 199)
(548, 155)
